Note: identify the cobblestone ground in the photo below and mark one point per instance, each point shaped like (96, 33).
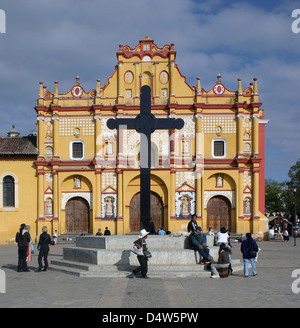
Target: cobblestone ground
(272, 287)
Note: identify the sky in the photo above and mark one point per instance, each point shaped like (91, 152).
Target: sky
(57, 40)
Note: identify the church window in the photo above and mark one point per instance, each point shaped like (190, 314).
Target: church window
(8, 191)
(77, 150)
(219, 148)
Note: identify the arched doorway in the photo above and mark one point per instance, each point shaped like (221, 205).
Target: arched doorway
(219, 213)
(77, 216)
(156, 211)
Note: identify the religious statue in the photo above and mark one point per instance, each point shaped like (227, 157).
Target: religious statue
(186, 146)
(247, 206)
(184, 206)
(49, 207)
(109, 148)
(77, 181)
(219, 180)
(109, 206)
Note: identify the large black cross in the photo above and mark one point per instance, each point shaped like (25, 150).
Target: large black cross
(145, 123)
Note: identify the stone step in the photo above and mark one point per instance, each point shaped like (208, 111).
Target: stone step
(170, 268)
(196, 271)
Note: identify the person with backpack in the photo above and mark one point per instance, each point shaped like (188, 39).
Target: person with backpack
(249, 249)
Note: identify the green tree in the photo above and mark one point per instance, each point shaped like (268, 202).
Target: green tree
(294, 175)
(276, 196)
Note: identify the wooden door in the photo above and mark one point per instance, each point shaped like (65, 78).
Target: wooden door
(156, 211)
(77, 216)
(219, 213)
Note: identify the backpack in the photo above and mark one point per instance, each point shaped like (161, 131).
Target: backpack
(251, 251)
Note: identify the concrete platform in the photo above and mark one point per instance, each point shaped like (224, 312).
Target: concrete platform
(110, 256)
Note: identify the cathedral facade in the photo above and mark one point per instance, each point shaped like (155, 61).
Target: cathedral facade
(80, 176)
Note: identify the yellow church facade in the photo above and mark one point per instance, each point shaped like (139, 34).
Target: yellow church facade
(85, 176)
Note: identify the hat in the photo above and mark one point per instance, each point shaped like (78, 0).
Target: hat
(199, 228)
(143, 233)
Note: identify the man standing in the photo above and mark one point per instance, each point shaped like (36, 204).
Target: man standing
(197, 241)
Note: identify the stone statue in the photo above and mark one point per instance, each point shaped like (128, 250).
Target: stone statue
(109, 206)
(247, 206)
(77, 181)
(184, 206)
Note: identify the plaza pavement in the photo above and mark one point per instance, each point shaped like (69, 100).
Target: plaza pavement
(272, 287)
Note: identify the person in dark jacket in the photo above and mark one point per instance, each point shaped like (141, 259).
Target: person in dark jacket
(192, 224)
(248, 245)
(197, 243)
(43, 247)
(22, 238)
(223, 261)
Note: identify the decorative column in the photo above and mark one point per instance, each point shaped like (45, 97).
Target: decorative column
(97, 195)
(172, 194)
(40, 139)
(98, 137)
(136, 81)
(120, 219)
(55, 119)
(120, 84)
(255, 135)
(240, 131)
(240, 225)
(40, 195)
(255, 201)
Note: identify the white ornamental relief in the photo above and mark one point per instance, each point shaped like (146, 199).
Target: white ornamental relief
(185, 177)
(109, 204)
(178, 202)
(189, 127)
(218, 124)
(109, 179)
(228, 194)
(106, 132)
(66, 196)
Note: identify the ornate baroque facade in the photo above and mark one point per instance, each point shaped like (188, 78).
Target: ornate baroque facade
(86, 176)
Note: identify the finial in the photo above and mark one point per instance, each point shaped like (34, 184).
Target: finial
(98, 88)
(41, 91)
(240, 89)
(77, 80)
(219, 78)
(255, 89)
(56, 89)
(198, 86)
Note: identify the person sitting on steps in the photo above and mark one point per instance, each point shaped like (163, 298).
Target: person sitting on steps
(223, 261)
(198, 243)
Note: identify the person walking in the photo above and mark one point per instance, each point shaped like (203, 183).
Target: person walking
(23, 239)
(249, 249)
(143, 260)
(43, 247)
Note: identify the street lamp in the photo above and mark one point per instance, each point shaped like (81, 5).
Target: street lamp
(294, 191)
